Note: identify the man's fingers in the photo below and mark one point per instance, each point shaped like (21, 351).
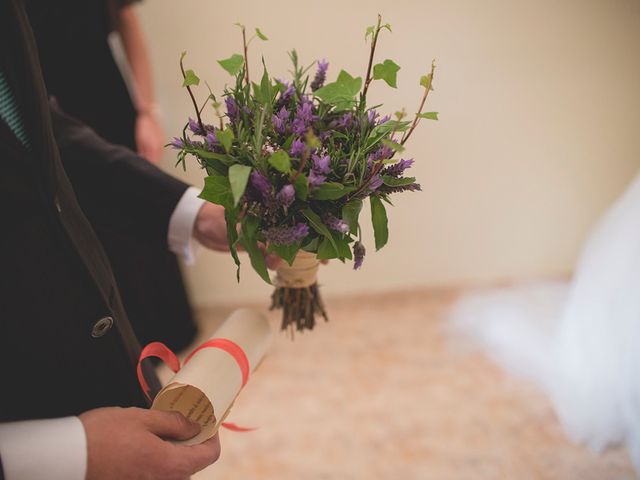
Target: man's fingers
(170, 425)
(202, 455)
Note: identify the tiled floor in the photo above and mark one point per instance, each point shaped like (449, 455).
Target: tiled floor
(377, 393)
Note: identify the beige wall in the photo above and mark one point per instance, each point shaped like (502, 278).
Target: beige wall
(539, 129)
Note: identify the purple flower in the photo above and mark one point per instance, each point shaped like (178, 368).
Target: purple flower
(345, 122)
(194, 126)
(212, 140)
(297, 148)
(375, 183)
(412, 187)
(304, 117)
(321, 75)
(315, 179)
(286, 235)
(384, 119)
(372, 115)
(358, 255)
(232, 108)
(335, 223)
(321, 164)
(279, 120)
(261, 184)
(286, 195)
(397, 169)
(177, 143)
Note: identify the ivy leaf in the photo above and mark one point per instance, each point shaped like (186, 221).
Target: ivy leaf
(233, 64)
(387, 71)
(397, 182)
(249, 240)
(226, 137)
(429, 115)
(286, 252)
(238, 178)
(370, 31)
(326, 250)
(342, 90)
(261, 35)
(280, 161)
(331, 191)
(338, 249)
(301, 186)
(217, 190)
(425, 81)
(190, 78)
(379, 221)
(351, 212)
(316, 223)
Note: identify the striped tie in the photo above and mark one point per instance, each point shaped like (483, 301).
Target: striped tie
(10, 113)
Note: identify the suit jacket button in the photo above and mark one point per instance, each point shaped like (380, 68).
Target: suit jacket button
(101, 327)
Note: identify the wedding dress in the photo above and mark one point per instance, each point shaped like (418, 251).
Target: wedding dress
(579, 342)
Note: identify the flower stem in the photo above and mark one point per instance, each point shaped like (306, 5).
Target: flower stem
(374, 41)
(427, 88)
(193, 99)
(246, 59)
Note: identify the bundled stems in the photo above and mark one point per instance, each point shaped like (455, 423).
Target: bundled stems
(299, 307)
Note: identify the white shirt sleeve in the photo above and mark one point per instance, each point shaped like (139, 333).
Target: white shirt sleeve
(54, 449)
(183, 218)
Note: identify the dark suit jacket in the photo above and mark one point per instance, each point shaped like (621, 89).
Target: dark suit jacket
(66, 344)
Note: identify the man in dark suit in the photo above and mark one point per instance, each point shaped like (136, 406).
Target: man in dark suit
(67, 350)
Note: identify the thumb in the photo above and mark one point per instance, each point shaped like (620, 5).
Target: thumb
(171, 425)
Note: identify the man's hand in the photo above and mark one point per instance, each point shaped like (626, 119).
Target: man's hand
(131, 443)
(210, 230)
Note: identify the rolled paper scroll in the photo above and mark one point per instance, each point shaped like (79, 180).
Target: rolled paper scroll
(208, 383)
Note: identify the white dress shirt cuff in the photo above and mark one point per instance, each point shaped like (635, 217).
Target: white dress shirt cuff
(54, 449)
(183, 218)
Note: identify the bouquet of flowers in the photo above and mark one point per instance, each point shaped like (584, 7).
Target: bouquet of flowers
(292, 161)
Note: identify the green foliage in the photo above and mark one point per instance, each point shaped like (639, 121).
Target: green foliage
(249, 240)
(301, 186)
(217, 190)
(238, 178)
(344, 89)
(261, 35)
(379, 221)
(226, 137)
(395, 146)
(397, 182)
(429, 115)
(280, 161)
(286, 252)
(331, 191)
(190, 78)
(350, 213)
(387, 71)
(316, 223)
(233, 64)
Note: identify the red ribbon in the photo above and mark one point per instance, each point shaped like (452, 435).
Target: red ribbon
(161, 351)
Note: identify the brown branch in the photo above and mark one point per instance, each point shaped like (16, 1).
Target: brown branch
(193, 99)
(246, 59)
(374, 41)
(416, 120)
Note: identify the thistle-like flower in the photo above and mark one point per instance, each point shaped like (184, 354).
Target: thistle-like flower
(261, 184)
(358, 254)
(177, 143)
(286, 235)
(286, 196)
(321, 75)
(279, 120)
(297, 148)
(232, 108)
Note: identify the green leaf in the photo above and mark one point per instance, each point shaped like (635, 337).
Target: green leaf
(280, 161)
(326, 250)
(387, 71)
(286, 252)
(343, 89)
(233, 64)
(221, 157)
(231, 219)
(370, 31)
(261, 35)
(190, 78)
(249, 240)
(395, 146)
(350, 213)
(226, 137)
(429, 115)
(301, 186)
(425, 81)
(379, 221)
(238, 178)
(331, 191)
(217, 190)
(397, 182)
(316, 223)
